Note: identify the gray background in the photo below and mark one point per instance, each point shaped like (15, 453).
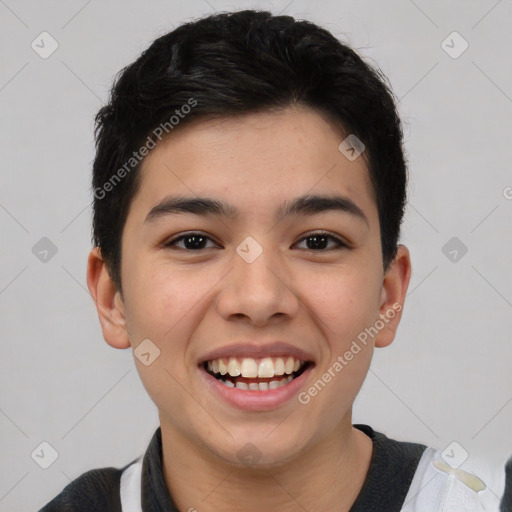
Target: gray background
(447, 375)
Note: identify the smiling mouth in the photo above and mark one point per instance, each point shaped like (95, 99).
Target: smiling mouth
(250, 374)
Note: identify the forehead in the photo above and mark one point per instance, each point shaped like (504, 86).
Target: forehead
(258, 161)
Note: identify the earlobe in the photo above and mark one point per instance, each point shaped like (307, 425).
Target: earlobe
(108, 301)
(394, 289)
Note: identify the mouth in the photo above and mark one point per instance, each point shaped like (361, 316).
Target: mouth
(254, 377)
(249, 374)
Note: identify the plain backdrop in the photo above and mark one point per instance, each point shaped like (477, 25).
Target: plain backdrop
(447, 375)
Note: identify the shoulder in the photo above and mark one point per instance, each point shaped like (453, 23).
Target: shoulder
(392, 469)
(396, 461)
(412, 477)
(95, 490)
(440, 483)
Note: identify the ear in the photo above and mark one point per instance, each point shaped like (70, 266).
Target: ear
(108, 301)
(394, 288)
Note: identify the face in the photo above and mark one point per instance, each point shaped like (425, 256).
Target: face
(250, 293)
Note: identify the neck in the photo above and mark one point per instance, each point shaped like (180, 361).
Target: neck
(328, 476)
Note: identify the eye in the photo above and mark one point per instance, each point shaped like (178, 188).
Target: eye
(191, 241)
(197, 242)
(319, 240)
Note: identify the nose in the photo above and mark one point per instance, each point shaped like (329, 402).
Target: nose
(258, 292)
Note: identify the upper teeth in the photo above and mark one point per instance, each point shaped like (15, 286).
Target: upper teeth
(252, 368)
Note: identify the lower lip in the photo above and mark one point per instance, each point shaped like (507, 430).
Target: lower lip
(256, 400)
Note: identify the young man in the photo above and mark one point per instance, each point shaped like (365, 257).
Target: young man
(249, 189)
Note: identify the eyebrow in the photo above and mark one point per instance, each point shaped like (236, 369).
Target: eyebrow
(206, 206)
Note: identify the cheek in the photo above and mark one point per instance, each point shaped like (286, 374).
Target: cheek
(162, 301)
(345, 300)
(163, 308)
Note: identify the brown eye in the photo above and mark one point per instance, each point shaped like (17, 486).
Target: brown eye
(190, 241)
(319, 241)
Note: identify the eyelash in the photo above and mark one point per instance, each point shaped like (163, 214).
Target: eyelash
(340, 243)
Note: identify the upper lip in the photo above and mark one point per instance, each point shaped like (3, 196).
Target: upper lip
(257, 350)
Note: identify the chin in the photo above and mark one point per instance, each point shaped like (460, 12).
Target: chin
(263, 449)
